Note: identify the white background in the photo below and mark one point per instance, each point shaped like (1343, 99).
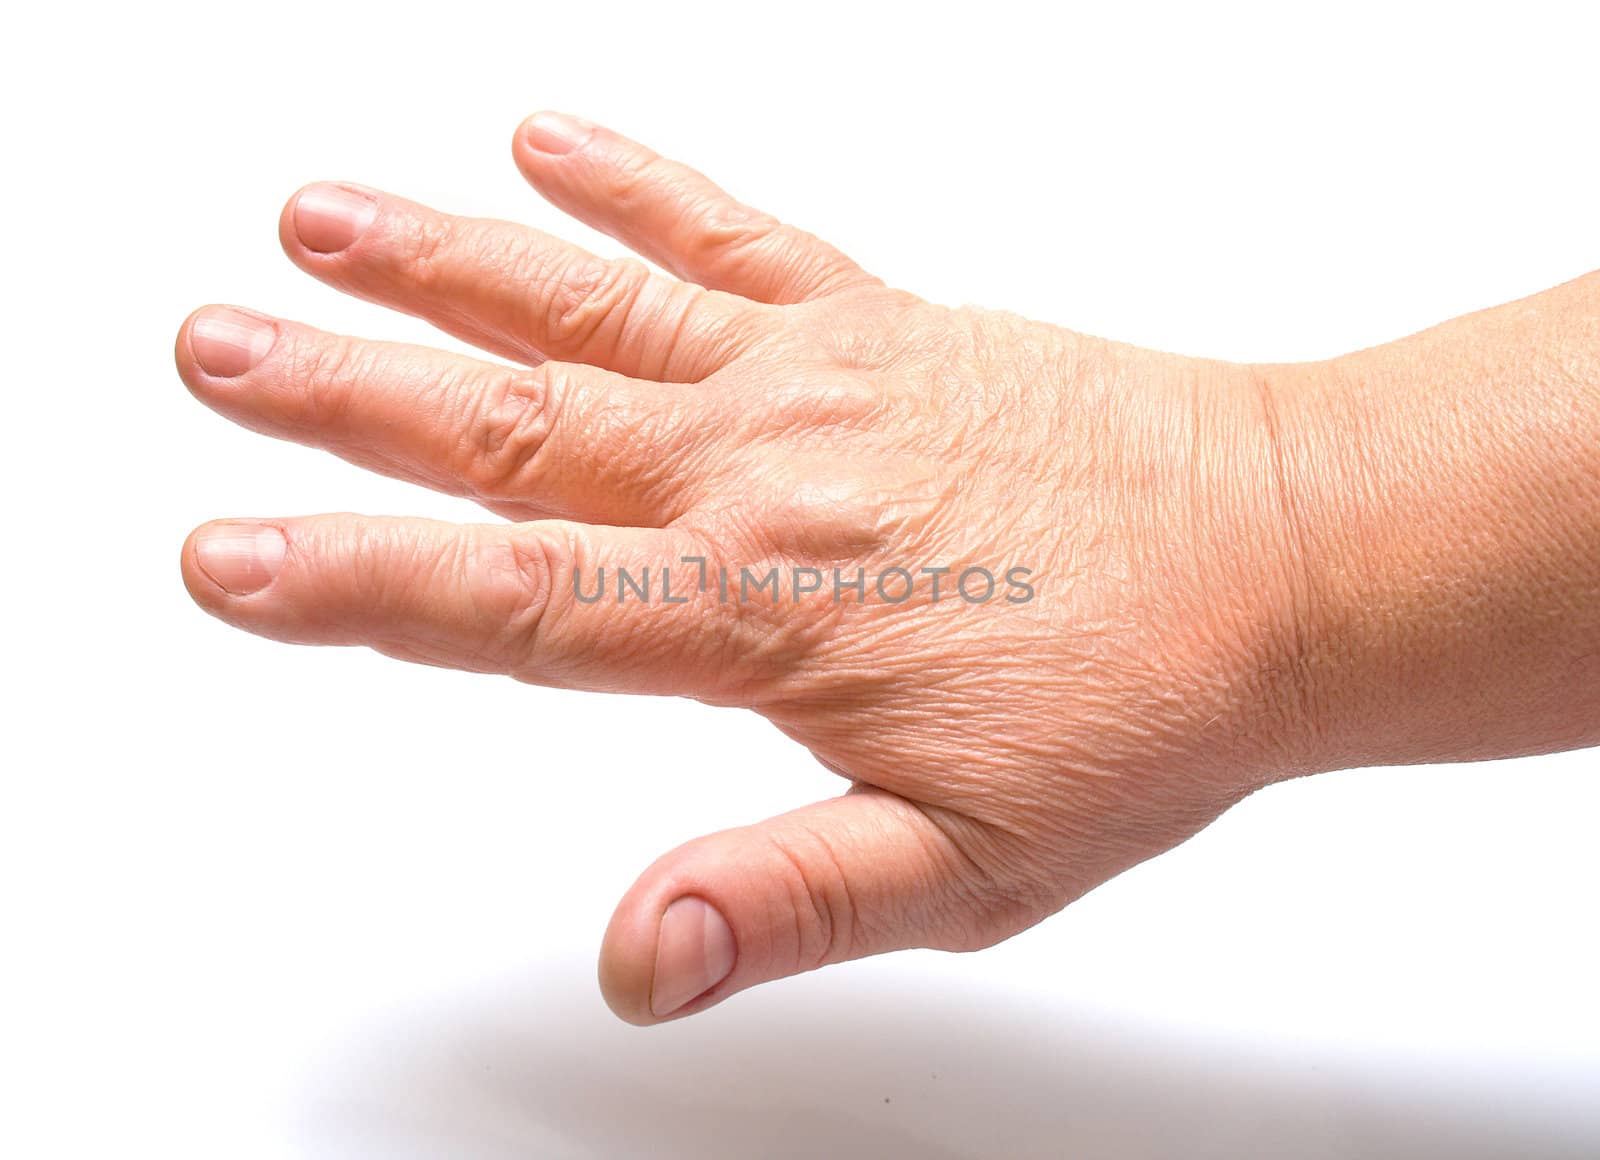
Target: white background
(260, 901)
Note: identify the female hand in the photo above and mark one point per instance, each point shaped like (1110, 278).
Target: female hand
(1121, 647)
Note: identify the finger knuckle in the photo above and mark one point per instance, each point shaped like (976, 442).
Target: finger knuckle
(635, 176)
(729, 233)
(425, 244)
(826, 921)
(510, 431)
(524, 575)
(331, 374)
(385, 562)
(590, 298)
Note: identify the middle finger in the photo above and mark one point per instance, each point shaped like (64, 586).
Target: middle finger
(558, 439)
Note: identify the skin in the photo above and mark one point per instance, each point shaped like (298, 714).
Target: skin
(1239, 573)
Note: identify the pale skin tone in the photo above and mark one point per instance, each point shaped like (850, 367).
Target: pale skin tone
(1239, 573)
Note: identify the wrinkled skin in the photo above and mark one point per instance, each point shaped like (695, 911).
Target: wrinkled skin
(773, 404)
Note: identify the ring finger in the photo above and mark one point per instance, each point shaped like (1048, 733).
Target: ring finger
(514, 290)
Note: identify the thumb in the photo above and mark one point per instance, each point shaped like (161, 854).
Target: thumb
(853, 876)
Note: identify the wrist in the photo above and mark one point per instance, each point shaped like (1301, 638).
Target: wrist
(1444, 495)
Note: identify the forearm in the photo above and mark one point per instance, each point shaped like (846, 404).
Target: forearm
(1445, 490)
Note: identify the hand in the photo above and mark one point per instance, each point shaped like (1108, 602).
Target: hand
(1111, 659)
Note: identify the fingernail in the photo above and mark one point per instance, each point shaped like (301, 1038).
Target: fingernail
(557, 132)
(227, 342)
(694, 952)
(329, 218)
(240, 558)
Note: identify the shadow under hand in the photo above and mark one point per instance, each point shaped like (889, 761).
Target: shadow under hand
(853, 1065)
